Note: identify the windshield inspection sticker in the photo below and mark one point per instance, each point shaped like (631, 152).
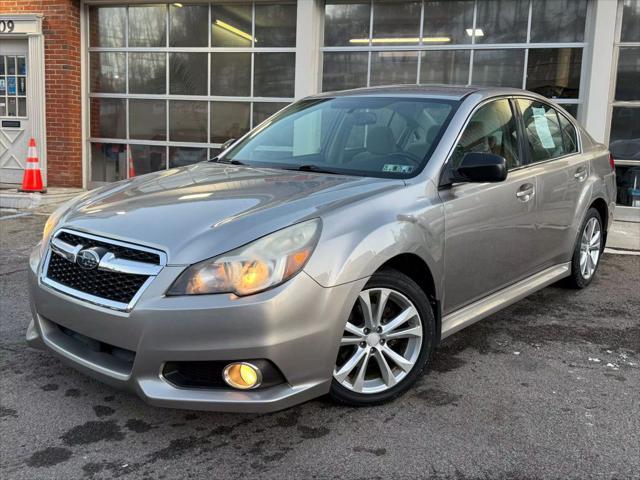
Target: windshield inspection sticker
(393, 168)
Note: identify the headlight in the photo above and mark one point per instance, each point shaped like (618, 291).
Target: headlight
(51, 224)
(258, 266)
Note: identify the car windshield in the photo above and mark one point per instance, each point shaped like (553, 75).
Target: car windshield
(366, 136)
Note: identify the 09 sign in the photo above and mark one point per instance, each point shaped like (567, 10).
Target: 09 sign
(6, 26)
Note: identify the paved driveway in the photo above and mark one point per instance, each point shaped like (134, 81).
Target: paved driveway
(548, 388)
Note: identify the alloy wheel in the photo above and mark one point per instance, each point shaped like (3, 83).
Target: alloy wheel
(381, 342)
(590, 245)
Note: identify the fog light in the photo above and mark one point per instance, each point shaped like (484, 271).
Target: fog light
(242, 375)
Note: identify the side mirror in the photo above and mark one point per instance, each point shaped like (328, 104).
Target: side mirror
(227, 144)
(481, 167)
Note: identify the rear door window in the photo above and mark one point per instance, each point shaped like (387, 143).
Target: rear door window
(569, 135)
(543, 132)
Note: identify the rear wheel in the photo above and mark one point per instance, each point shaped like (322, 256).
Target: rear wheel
(387, 341)
(587, 252)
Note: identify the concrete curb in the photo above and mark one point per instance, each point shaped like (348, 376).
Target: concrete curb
(30, 201)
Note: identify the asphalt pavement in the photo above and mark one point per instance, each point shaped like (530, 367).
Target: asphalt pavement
(548, 388)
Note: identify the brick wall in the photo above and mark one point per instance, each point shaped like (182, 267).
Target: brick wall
(61, 28)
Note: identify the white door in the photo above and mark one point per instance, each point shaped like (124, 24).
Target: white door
(15, 127)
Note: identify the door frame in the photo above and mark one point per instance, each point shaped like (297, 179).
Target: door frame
(29, 26)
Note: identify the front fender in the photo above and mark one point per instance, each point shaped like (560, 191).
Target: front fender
(356, 241)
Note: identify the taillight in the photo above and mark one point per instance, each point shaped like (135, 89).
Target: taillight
(612, 162)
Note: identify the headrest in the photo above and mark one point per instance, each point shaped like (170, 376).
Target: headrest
(380, 141)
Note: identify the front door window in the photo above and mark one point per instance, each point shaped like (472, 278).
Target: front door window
(13, 86)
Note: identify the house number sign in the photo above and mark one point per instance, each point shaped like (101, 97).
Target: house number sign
(6, 26)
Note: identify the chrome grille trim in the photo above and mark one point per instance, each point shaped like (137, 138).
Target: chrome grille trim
(108, 263)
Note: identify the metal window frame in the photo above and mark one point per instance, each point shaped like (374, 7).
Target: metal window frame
(613, 103)
(167, 97)
(471, 47)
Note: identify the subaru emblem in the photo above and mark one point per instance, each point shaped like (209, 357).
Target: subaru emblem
(88, 259)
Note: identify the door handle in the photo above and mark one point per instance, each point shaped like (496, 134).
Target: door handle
(581, 174)
(525, 192)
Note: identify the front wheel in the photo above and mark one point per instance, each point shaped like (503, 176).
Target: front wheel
(587, 252)
(387, 341)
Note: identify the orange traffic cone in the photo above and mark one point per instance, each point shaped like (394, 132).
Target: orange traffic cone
(32, 179)
(132, 170)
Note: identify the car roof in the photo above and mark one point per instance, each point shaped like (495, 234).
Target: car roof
(454, 92)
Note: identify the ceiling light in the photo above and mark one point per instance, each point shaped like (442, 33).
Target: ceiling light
(232, 29)
(400, 40)
(478, 32)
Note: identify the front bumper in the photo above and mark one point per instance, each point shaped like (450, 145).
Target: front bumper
(297, 326)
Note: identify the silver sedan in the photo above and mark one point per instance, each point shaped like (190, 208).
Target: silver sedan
(327, 251)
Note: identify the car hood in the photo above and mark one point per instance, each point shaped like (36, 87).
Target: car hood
(203, 210)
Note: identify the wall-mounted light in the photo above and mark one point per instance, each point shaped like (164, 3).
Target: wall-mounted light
(177, 4)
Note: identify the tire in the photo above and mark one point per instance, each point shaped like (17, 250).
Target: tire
(581, 277)
(374, 387)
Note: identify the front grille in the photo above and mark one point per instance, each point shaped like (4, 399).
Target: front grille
(118, 250)
(104, 283)
(118, 287)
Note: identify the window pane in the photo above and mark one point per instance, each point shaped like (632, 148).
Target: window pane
(492, 129)
(502, 21)
(22, 107)
(396, 23)
(344, 70)
(274, 74)
(342, 22)
(231, 74)
(147, 72)
(569, 135)
(147, 26)
(147, 159)
(500, 68)
(275, 25)
(107, 26)
(188, 26)
(445, 66)
(108, 73)
(12, 107)
(544, 138)
(231, 25)
(571, 108)
(148, 119)
(558, 20)
(393, 67)
(181, 156)
(229, 120)
(630, 21)
(263, 110)
(448, 22)
(108, 116)
(554, 72)
(624, 141)
(108, 162)
(187, 121)
(628, 79)
(188, 73)
(22, 66)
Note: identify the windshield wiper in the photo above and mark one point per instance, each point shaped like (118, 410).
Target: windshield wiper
(312, 168)
(230, 162)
